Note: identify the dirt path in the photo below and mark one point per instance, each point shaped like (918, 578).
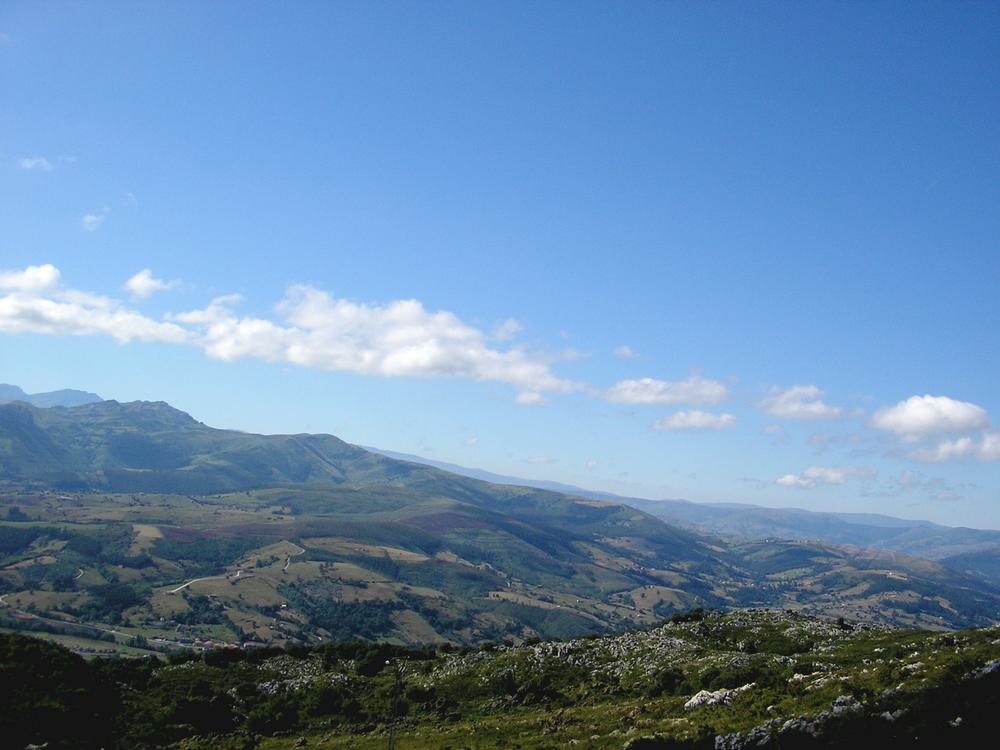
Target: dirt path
(193, 580)
(288, 560)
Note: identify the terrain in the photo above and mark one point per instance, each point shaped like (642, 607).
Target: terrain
(973, 551)
(134, 528)
(700, 680)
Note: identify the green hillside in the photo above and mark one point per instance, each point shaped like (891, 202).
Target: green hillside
(129, 526)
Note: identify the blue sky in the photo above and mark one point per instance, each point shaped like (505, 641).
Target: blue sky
(712, 251)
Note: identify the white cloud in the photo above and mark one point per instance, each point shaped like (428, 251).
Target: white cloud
(625, 352)
(799, 402)
(591, 463)
(36, 163)
(310, 329)
(398, 339)
(472, 441)
(31, 279)
(989, 447)
(143, 284)
(825, 475)
(985, 449)
(923, 415)
(35, 303)
(695, 420)
(694, 390)
(91, 222)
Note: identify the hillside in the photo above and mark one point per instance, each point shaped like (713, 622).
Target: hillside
(137, 524)
(702, 680)
(752, 522)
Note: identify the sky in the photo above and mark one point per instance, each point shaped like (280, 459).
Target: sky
(715, 251)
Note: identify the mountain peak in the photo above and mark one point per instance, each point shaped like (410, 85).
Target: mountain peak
(63, 397)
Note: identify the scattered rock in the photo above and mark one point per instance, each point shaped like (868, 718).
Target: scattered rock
(797, 725)
(714, 697)
(846, 704)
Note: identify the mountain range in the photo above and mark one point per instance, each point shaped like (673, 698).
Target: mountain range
(976, 550)
(138, 521)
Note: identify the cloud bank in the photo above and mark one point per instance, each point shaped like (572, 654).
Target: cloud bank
(985, 449)
(310, 329)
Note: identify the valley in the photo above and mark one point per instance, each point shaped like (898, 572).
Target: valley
(305, 539)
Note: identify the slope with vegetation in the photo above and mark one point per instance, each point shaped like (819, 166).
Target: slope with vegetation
(133, 526)
(701, 680)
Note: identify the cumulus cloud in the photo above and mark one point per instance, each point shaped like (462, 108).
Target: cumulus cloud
(591, 463)
(35, 303)
(143, 284)
(310, 329)
(986, 449)
(398, 339)
(625, 352)
(694, 390)
(31, 279)
(36, 164)
(924, 415)
(91, 222)
(695, 420)
(472, 441)
(825, 475)
(799, 402)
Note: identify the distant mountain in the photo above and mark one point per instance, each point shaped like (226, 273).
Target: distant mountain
(917, 538)
(64, 397)
(749, 522)
(983, 564)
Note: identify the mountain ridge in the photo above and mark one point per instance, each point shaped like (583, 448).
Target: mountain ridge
(214, 529)
(916, 537)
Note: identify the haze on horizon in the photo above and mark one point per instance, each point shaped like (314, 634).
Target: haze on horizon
(722, 253)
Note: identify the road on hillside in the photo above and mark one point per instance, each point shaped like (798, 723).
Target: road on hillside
(288, 560)
(193, 580)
